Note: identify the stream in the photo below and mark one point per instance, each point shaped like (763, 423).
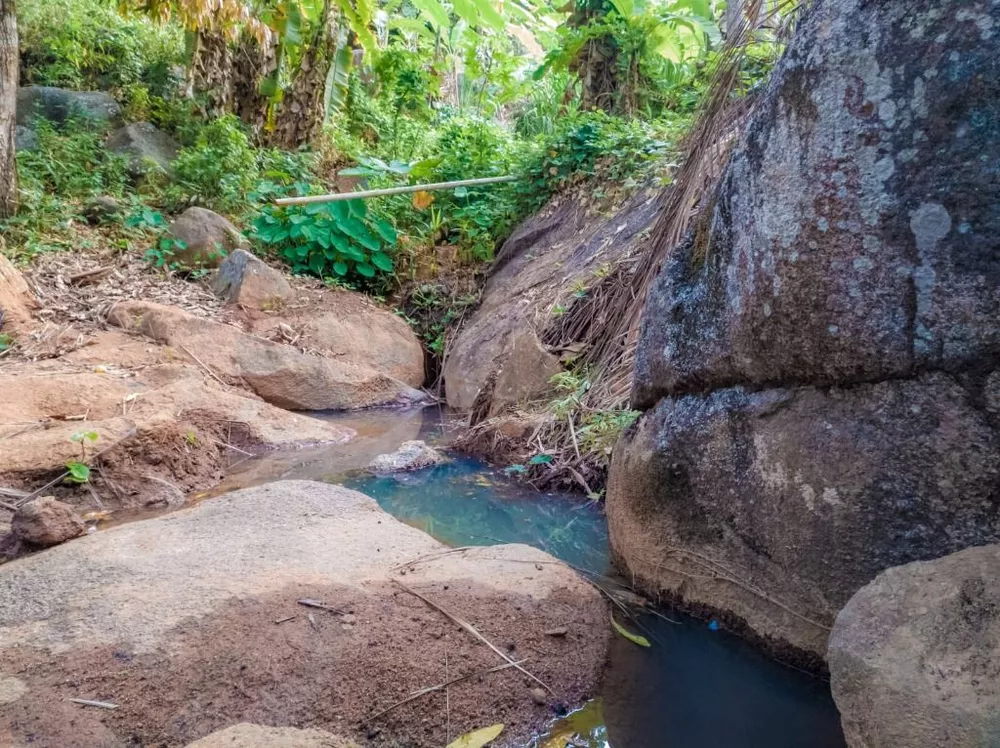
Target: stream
(695, 687)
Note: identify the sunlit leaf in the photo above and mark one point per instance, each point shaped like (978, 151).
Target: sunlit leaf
(642, 641)
(422, 200)
(477, 738)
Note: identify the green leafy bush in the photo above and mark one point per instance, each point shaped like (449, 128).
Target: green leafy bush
(70, 162)
(220, 169)
(338, 240)
(87, 44)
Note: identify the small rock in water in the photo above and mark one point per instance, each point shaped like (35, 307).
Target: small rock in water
(411, 455)
(539, 696)
(46, 521)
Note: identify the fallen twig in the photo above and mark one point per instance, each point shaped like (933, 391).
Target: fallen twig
(8, 507)
(88, 275)
(12, 493)
(230, 446)
(317, 604)
(475, 632)
(202, 364)
(98, 704)
(286, 619)
(439, 686)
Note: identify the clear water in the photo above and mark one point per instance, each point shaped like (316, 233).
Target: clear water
(693, 688)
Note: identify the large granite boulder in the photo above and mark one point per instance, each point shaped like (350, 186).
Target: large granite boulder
(819, 365)
(203, 238)
(59, 104)
(191, 622)
(915, 655)
(247, 281)
(278, 373)
(539, 271)
(147, 148)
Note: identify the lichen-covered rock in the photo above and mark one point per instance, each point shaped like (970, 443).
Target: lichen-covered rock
(854, 234)
(915, 655)
(46, 522)
(146, 147)
(803, 495)
(816, 359)
(59, 104)
(25, 139)
(205, 238)
(412, 455)
(249, 282)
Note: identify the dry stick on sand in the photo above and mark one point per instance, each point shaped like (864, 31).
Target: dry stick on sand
(439, 686)
(475, 632)
(317, 604)
(98, 704)
(202, 364)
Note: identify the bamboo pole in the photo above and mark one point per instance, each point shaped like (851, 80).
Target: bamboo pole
(391, 191)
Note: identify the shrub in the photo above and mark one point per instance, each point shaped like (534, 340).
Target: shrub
(70, 162)
(87, 44)
(220, 169)
(339, 240)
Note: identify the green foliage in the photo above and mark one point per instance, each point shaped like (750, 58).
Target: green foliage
(87, 44)
(70, 162)
(339, 240)
(78, 472)
(6, 341)
(220, 169)
(433, 310)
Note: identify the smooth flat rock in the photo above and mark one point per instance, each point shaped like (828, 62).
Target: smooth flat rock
(206, 236)
(915, 655)
(190, 623)
(278, 373)
(411, 455)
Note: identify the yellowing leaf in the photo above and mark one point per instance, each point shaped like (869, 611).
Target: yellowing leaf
(477, 738)
(642, 641)
(422, 200)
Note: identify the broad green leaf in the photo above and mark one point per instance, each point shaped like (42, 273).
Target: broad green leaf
(624, 8)
(365, 269)
(337, 79)
(489, 15)
(340, 268)
(466, 10)
(477, 738)
(78, 472)
(384, 229)
(340, 242)
(434, 11)
(540, 460)
(360, 233)
(317, 262)
(341, 211)
(382, 261)
(642, 641)
(357, 208)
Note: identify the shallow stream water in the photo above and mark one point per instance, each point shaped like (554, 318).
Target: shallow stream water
(695, 687)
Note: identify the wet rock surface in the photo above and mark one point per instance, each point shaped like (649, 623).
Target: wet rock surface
(915, 655)
(411, 455)
(836, 319)
(46, 521)
(190, 623)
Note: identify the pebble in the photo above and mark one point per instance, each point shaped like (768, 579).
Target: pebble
(539, 696)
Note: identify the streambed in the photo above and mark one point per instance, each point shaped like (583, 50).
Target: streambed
(694, 688)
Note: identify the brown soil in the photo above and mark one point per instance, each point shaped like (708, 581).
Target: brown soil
(241, 666)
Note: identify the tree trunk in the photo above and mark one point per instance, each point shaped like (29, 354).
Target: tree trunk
(212, 73)
(8, 107)
(302, 111)
(251, 64)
